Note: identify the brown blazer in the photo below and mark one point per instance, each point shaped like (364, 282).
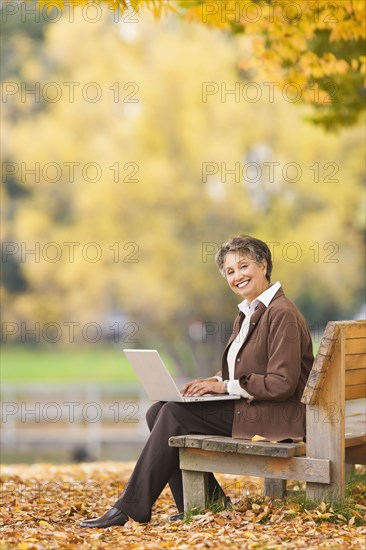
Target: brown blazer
(272, 365)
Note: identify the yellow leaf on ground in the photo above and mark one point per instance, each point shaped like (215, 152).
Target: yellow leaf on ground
(46, 524)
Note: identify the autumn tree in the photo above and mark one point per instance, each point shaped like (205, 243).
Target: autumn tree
(315, 48)
(126, 183)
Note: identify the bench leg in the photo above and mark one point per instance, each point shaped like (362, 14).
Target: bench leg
(325, 427)
(195, 489)
(333, 490)
(274, 487)
(321, 491)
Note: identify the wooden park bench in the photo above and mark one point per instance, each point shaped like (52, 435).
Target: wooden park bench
(335, 418)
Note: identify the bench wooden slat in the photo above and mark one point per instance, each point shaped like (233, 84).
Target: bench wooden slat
(356, 361)
(273, 449)
(263, 448)
(240, 446)
(355, 428)
(221, 445)
(355, 454)
(355, 392)
(355, 345)
(316, 380)
(354, 333)
(353, 329)
(356, 376)
(188, 440)
(296, 467)
(353, 440)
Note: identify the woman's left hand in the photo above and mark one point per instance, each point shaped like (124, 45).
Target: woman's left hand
(202, 386)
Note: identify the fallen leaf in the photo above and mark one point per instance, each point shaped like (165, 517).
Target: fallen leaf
(258, 438)
(87, 490)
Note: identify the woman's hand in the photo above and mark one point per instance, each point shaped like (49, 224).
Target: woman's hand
(202, 386)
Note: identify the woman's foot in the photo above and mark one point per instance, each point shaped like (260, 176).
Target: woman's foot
(176, 517)
(110, 518)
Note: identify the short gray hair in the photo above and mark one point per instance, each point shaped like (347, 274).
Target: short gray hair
(249, 246)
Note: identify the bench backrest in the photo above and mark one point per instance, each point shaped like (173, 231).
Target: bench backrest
(348, 339)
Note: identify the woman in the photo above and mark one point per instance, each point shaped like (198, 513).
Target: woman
(267, 361)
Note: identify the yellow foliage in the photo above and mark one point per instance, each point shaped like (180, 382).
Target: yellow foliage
(160, 207)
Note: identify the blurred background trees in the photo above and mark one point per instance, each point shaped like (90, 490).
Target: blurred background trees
(315, 46)
(133, 147)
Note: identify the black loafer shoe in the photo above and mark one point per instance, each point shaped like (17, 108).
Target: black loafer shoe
(176, 517)
(110, 518)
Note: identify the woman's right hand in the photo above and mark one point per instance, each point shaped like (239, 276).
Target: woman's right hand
(201, 386)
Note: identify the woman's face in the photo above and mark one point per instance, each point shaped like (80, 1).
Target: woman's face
(244, 276)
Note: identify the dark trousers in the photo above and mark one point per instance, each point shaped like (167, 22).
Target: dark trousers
(158, 463)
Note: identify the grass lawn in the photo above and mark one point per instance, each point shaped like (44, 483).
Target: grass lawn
(100, 364)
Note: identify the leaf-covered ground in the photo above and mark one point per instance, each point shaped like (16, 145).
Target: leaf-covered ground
(43, 505)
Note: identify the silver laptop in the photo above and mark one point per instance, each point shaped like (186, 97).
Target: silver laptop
(157, 381)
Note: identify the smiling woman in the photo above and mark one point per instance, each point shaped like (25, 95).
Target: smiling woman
(266, 364)
(245, 277)
(247, 266)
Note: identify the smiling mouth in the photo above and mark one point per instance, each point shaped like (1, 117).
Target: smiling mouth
(243, 283)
